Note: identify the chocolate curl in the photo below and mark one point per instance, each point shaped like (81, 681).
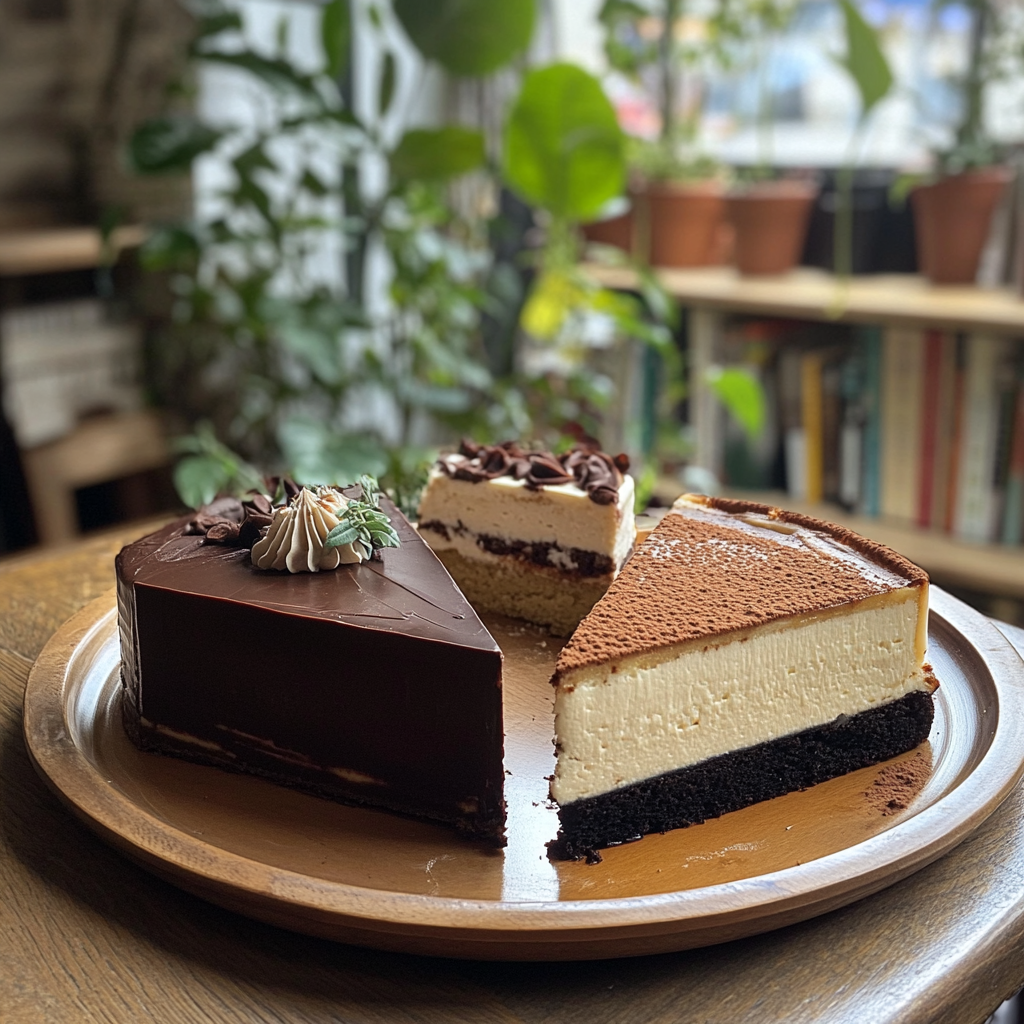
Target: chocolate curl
(591, 469)
(258, 503)
(252, 529)
(594, 472)
(285, 484)
(546, 470)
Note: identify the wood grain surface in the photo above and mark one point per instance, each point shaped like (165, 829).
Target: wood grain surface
(87, 936)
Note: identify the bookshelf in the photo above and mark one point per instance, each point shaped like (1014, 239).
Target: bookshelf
(52, 250)
(99, 449)
(711, 294)
(808, 294)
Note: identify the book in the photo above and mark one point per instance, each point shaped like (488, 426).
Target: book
(831, 423)
(902, 393)
(870, 344)
(1013, 511)
(975, 507)
(851, 430)
(945, 424)
(1005, 399)
(794, 452)
(929, 426)
(956, 432)
(813, 423)
(60, 361)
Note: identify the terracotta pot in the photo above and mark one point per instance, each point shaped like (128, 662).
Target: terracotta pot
(685, 223)
(769, 222)
(952, 220)
(617, 231)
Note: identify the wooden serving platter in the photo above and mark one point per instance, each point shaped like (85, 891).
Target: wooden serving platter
(375, 879)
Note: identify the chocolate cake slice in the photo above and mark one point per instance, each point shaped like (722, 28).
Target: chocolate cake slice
(371, 683)
(744, 652)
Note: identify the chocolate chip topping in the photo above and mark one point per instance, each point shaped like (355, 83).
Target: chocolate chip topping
(231, 522)
(585, 465)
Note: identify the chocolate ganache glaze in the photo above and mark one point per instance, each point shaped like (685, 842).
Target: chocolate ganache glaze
(586, 466)
(373, 683)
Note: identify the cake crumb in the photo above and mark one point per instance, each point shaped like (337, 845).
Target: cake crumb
(897, 785)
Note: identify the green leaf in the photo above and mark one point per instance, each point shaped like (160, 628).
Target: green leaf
(169, 144)
(318, 349)
(388, 77)
(313, 184)
(564, 149)
(741, 393)
(318, 455)
(170, 248)
(279, 74)
(437, 153)
(341, 534)
(371, 491)
(555, 296)
(336, 35)
(433, 397)
(198, 479)
(864, 58)
(255, 158)
(215, 22)
(468, 37)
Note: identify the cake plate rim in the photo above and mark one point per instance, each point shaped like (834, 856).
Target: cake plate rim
(527, 930)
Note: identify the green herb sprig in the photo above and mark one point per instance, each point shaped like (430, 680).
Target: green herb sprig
(362, 524)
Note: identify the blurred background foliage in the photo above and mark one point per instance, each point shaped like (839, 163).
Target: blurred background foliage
(271, 364)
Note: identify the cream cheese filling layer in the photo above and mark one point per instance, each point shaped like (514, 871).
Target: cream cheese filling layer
(506, 508)
(615, 728)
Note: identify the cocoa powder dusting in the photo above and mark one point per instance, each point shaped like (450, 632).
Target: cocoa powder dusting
(897, 785)
(704, 573)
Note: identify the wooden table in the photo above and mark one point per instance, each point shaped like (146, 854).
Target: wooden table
(85, 935)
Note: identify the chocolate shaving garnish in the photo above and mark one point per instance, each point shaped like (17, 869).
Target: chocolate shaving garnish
(224, 532)
(231, 522)
(546, 470)
(603, 495)
(284, 485)
(258, 503)
(494, 462)
(252, 529)
(591, 469)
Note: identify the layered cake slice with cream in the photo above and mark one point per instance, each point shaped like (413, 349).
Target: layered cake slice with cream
(336, 656)
(744, 652)
(528, 533)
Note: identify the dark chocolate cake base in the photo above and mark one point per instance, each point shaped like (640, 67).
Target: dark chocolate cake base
(741, 778)
(245, 758)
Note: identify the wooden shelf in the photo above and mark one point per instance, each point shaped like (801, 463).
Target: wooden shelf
(52, 250)
(100, 449)
(989, 568)
(807, 294)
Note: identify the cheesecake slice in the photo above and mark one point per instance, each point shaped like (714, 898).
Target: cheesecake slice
(528, 533)
(744, 652)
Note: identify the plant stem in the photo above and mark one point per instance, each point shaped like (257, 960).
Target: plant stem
(666, 58)
(970, 129)
(764, 109)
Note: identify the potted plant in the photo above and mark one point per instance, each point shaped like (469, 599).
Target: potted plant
(277, 357)
(953, 213)
(768, 215)
(677, 194)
